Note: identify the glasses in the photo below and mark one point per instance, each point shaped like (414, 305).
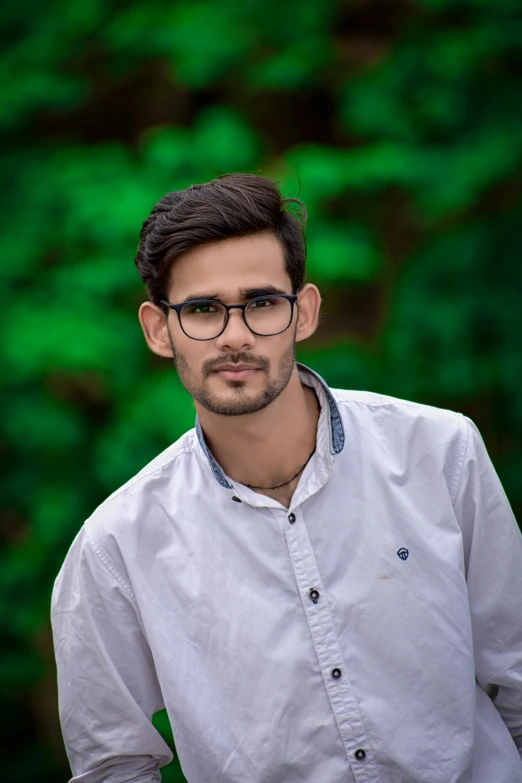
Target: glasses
(206, 319)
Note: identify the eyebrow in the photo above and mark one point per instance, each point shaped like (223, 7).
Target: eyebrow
(244, 293)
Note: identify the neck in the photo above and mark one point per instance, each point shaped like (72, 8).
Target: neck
(268, 447)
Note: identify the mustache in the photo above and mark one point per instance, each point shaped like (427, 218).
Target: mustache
(261, 362)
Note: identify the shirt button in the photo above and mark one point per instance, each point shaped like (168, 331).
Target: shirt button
(238, 500)
(336, 673)
(291, 518)
(360, 754)
(314, 595)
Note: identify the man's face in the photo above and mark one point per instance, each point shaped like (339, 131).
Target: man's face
(232, 270)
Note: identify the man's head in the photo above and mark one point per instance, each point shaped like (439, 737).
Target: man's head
(232, 240)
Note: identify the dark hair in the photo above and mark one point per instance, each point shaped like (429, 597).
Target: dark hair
(233, 205)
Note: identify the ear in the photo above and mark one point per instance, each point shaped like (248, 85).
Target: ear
(309, 303)
(154, 325)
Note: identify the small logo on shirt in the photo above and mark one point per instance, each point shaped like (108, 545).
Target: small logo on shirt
(403, 553)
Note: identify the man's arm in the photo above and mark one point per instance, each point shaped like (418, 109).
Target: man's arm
(493, 556)
(107, 684)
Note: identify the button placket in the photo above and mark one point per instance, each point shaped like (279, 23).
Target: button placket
(329, 656)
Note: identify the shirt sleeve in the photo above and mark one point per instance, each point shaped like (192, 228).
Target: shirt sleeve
(107, 684)
(493, 557)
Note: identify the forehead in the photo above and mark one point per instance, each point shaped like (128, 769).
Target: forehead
(229, 265)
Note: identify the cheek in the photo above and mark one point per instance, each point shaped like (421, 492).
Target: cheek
(194, 354)
(279, 350)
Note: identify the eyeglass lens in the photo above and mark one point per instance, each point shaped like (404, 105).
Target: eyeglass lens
(205, 320)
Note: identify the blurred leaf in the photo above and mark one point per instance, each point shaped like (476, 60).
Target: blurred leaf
(223, 141)
(341, 254)
(73, 339)
(154, 415)
(38, 424)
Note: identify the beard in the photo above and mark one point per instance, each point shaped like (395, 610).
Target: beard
(239, 403)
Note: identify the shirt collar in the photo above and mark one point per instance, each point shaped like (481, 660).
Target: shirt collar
(335, 429)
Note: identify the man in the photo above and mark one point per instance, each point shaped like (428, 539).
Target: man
(319, 585)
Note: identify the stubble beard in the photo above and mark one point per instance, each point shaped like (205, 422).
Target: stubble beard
(241, 403)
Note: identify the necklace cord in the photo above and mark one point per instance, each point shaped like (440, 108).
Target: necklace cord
(252, 486)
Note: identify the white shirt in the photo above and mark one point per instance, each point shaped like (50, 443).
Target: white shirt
(354, 636)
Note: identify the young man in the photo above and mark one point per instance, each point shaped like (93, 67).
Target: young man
(319, 585)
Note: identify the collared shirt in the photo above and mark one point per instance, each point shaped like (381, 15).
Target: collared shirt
(369, 633)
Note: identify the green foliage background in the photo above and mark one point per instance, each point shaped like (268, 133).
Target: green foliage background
(398, 122)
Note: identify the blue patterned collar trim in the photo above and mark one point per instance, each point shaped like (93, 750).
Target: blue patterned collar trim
(334, 418)
(216, 470)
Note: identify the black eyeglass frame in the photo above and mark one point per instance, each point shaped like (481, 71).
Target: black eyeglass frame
(292, 298)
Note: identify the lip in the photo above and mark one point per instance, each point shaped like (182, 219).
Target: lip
(236, 372)
(236, 367)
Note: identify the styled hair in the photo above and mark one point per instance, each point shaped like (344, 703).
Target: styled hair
(233, 205)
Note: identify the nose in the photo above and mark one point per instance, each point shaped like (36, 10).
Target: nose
(237, 336)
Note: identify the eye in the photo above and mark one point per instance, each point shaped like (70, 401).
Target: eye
(259, 304)
(201, 309)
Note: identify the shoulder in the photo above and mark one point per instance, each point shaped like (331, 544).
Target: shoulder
(391, 427)
(128, 518)
(384, 406)
(164, 464)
